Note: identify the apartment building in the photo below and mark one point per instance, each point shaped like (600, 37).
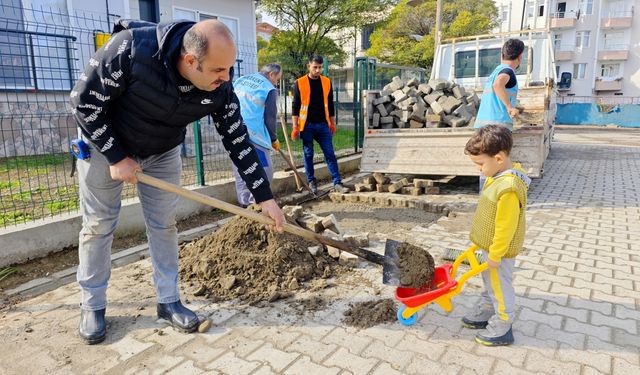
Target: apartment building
(596, 42)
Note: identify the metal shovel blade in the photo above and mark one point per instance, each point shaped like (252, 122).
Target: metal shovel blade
(390, 268)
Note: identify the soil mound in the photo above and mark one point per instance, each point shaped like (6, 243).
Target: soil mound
(416, 266)
(370, 313)
(244, 260)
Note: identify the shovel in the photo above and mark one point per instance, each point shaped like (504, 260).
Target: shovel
(286, 139)
(295, 171)
(389, 261)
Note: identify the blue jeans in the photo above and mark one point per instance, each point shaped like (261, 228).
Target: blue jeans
(243, 194)
(319, 131)
(100, 199)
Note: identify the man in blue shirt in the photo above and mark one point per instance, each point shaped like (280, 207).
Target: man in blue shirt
(258, 98)
(498, 104)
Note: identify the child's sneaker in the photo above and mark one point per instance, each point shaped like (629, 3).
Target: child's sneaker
(479, 317)
(497, 333)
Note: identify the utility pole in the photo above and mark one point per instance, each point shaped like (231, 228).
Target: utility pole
(438, 22)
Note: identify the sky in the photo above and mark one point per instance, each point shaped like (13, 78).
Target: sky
(266, 17)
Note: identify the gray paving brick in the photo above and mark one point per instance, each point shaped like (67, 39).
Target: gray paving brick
(537, 362)
(231, 364)
(505, 368)
(278, 360)
(421, 365)
(514, 354)
(575, 340)
(580, 290)
(620, 366)
(187, 367)
(601, 332)
(628, 353)
(554, 321)
(311, 347)
(603, 307)
(615, 299)
(575, 274)
(354, 363)
(629, 325)
(427, 348)
(305, 366)
(578, 314)
(396, 357)
(341, 337)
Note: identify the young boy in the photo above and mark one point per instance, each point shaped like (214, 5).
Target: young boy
(498, 228)
(498, 102)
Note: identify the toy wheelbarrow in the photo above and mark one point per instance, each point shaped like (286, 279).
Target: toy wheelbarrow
(440, 290)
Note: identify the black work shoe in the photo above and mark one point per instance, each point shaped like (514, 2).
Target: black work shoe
(314, 187)
(180, 317)
(93, 327)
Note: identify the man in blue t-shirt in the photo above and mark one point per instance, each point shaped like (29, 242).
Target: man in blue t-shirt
(498, 104)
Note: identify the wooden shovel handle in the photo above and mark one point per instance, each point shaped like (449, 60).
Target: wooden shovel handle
(255, 216)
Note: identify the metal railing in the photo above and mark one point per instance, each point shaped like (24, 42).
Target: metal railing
(608, 100)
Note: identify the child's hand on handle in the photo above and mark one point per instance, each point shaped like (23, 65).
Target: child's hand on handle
(493, 264)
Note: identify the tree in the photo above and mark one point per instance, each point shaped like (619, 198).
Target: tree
(314, 27)
(407, 36)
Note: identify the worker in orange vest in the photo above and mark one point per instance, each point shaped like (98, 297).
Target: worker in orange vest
(314, 119)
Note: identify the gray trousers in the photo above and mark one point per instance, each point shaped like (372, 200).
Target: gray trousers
(498, 289)
(243, 194)
(100, 200)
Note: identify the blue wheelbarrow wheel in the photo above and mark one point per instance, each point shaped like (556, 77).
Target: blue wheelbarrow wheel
(408, 321)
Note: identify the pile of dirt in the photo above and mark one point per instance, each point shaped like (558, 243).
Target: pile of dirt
(417, 267)
(370, 313)
(244, 260)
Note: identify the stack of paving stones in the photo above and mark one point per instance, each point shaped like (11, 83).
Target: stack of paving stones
(411, 104)
(408, 186)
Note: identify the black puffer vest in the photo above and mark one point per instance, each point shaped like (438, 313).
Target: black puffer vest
(151, 116)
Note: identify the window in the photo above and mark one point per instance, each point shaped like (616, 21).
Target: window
(561, 10)
(504, 13)
(184, 14)
(541, 11)
(14, 59)
(29, 57)
(195, 15)
(557, 41)
(582, 39)
(530, 10)
(579, 70)
(557, 70)
(613, 41)
(610, 70)
(585, 6)
(365, 42)
(148, 10)
(465, 63)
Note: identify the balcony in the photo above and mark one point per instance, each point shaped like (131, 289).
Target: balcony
(617, 20)
(614, 52)
(604, 84)
(564, 53)
(562, 20)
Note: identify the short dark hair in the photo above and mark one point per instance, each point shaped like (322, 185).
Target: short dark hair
(490, 140)
(512, 48)
(316, 59)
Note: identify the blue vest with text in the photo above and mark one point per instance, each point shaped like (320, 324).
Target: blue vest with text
(492, 111)
(252, 91)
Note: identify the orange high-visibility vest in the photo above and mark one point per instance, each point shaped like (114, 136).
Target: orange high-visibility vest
(305, 98)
